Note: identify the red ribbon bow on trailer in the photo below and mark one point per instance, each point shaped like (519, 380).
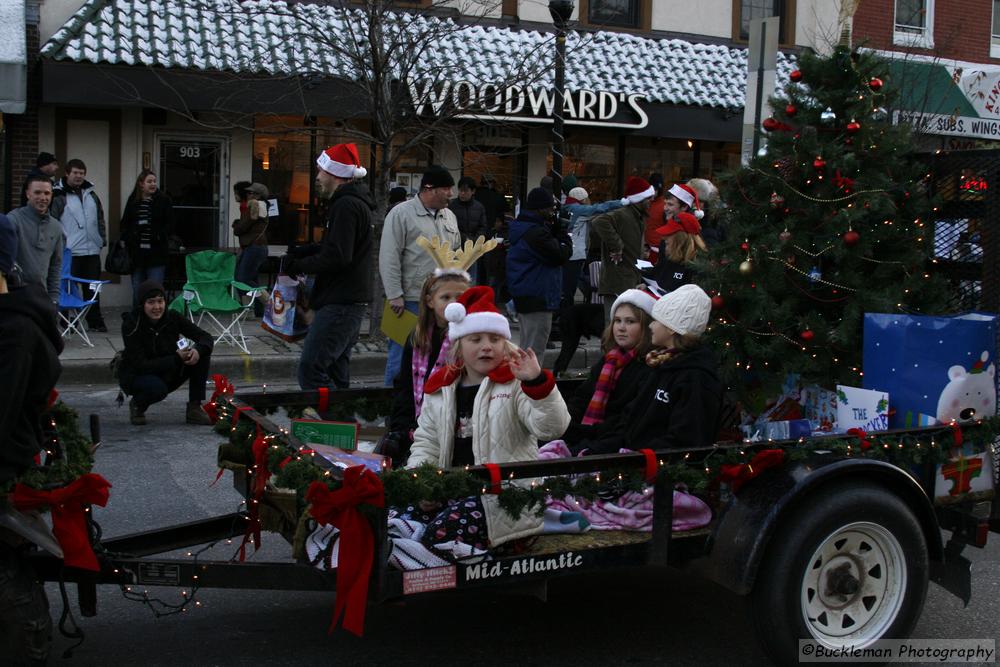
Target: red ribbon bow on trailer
(68, 516)
(866, 444)
(738, 474)
(222, 386)
(261, 474)
(357, 543)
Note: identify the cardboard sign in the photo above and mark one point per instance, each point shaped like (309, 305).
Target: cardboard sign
(431, 579)
(334, 434)
(865, 409)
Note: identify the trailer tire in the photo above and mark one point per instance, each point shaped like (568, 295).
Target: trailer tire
(849, 567)
(25, 623)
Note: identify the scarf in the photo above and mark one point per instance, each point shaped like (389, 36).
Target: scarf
(659, 356)
(614, 361)
(421, 359)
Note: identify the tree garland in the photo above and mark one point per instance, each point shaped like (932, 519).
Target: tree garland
(697, 470)
(63, 429)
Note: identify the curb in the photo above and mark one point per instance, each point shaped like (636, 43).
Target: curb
(247, 369)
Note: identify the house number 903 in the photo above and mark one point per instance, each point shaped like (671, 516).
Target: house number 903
(190, 151)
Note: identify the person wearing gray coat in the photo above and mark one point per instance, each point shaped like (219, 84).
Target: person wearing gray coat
(39, 237)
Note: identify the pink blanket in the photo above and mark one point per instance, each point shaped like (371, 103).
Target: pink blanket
(632, 511)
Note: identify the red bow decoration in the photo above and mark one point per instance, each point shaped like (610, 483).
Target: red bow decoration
(357, 543)
(738, 474)
(843, 182)
(260, 476)
(54, 396)
(69, 522)
(222, 386)
(866, 444)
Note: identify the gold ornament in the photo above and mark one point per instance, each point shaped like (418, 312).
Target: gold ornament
(746, 268)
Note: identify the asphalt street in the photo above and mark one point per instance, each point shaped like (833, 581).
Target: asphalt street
(162, 474)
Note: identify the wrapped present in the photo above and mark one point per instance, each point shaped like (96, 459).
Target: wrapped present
(790, 429)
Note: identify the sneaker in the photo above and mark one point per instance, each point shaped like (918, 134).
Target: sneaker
(136, 415)
(196, 415)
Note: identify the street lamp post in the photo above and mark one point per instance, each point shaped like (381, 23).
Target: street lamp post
(561, 10)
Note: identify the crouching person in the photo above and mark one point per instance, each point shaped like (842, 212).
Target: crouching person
(491, 404)
(163, 349)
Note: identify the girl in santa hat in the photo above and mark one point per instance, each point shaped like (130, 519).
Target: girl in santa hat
(681, 242)
(598, 406)
(491, 404)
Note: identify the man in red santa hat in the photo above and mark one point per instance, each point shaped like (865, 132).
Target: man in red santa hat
(342, 264)
(621, 233)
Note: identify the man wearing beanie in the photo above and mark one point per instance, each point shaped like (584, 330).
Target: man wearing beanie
(621, 233)
(342, 264)
(29, 360)
(46, 166)
(538, 249)
(403, 264)
(163, 349)
(678, 406)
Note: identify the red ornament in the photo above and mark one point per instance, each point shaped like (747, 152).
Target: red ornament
(795, 76)
(744, 246)
(770, 124)
(853, 126)
(851, 238)
(819, 163)
(790, 110)
(807, 335)
(785, 236)
(875, 84)
(848, 141)
(718, 302)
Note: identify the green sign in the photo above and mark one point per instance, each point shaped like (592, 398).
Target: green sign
(336, 434)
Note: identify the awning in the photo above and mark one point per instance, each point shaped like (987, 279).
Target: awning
(953, 100)
(13, 57)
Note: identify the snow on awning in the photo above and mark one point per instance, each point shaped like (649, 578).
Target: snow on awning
(13, 57)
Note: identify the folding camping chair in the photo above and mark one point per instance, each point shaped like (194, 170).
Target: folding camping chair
(73, 306)
(210, 292)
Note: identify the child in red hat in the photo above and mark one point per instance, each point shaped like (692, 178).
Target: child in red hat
(491, 404)
(681, 242)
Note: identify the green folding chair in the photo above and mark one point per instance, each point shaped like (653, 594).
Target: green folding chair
(210, 292)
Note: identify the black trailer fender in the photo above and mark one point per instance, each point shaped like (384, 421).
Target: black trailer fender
(734, 551)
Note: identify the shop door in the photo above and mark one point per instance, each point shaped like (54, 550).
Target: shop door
(190, 173)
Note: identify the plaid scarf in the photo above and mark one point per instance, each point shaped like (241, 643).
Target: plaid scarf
(614, 361)
(421, 359)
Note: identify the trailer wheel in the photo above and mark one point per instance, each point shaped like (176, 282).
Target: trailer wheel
(847, 569)
(25, 623)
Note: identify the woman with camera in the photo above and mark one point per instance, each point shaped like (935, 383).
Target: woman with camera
(162, 350)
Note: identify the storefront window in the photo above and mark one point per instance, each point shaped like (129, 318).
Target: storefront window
(592, 159)
(679, 159)
(499, 154)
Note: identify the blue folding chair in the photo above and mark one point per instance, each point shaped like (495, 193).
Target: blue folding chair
(73, 304)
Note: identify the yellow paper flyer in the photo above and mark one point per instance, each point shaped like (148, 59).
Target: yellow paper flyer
(397, 328)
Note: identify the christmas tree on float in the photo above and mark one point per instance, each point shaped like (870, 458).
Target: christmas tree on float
(829, 222)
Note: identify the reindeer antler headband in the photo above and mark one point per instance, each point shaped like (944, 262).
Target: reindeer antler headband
(455, 262)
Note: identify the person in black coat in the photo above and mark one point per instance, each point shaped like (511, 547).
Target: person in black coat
(163, 349)
(598, 406)
(678, 406)
(679, 246)
(146, 226)
(29, 360)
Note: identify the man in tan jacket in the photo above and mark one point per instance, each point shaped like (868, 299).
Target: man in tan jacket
(404, 265)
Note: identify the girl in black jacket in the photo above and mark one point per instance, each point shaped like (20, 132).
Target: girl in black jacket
(679, 246)
(597, 407)
(162, 350)
(147, 223)
(678, 405)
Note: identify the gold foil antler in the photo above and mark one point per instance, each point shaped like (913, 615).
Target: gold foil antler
(456, 261)
(439, 251)
(468, 255)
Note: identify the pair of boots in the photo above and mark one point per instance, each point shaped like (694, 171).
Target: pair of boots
(193, 414)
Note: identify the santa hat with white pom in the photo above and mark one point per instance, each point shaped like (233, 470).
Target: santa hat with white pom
(342, 161)
(475, 312)
(687, 195)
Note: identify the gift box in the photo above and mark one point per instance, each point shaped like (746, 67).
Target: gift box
(789, 429)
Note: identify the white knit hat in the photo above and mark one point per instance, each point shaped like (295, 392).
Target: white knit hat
(577, 193)
(685, 310)
(639, 298)
(475, 312)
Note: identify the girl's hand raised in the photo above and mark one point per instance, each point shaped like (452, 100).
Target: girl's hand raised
(524, 365)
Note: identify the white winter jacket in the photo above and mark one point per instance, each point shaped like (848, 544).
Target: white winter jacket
(508, 420)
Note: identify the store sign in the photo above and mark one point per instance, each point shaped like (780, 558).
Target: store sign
(955, 126)
(464, 99)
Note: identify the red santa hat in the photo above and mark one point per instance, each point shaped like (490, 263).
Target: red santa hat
(640, 298)
(342, 161)
(681, 222)
(636, 190)
(687, 195)
(475, 312)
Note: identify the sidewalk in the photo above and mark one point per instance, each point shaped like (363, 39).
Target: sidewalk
(270, 360)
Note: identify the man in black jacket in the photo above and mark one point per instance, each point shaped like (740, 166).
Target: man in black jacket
(342, 264)
(163, 349)
(29, 360)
